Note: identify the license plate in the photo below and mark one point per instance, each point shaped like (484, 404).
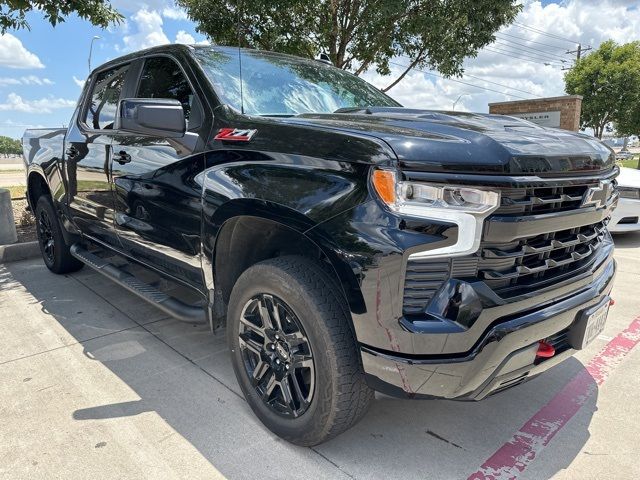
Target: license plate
(589, 326)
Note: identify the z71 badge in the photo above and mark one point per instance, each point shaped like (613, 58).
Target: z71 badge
(235, 134)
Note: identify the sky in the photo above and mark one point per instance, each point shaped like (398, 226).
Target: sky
(42, 70)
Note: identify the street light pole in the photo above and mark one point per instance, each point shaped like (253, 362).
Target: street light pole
(96, 37)
(453, 108)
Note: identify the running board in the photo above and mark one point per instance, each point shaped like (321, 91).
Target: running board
(169, 305)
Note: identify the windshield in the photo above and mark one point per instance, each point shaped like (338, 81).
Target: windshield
(274, 84)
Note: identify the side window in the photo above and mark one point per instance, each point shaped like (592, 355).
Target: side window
(163, 78)
(104, 99)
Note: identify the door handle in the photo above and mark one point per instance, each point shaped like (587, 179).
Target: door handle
(72, 152)
(122, 157)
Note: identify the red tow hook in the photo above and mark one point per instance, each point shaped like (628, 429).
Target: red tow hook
(612, 302)
(545, 350)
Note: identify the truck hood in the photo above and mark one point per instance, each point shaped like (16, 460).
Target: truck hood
(470, 142)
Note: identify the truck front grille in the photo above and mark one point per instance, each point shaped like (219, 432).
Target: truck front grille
(539, 260)
(542, 199)
(540, 235)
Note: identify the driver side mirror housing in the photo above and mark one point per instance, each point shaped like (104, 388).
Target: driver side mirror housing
(158, 117)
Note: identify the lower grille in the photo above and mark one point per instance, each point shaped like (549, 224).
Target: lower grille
(538, 260)
(559, 341)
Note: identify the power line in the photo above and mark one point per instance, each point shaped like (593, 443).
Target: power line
(530, 55)
(542, 32)
(492, 82)
(511, 42)
(557, 47)
(523, 57)
(501, 85)
(458, 81)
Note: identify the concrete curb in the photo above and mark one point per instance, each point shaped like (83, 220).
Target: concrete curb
(18, 251)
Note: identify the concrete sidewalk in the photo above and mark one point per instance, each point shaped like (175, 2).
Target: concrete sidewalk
(97, 384)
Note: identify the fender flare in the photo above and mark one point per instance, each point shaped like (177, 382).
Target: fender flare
(288, 218)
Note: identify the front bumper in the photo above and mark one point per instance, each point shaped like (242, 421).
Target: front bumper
(504, 355)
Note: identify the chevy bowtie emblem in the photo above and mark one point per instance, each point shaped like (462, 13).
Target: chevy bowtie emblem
(597, 196)
(235, 134)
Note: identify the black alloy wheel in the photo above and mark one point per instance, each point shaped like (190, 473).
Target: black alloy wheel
(45, 235)
(293, 352)
(277, 355)
(53, 246)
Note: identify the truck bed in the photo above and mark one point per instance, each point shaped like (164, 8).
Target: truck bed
(40, 145)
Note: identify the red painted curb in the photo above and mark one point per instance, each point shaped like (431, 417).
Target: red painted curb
(516, 455)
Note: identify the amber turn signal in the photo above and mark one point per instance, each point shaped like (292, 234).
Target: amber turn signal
(384, 182)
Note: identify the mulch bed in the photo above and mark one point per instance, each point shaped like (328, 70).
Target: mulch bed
(25, 222)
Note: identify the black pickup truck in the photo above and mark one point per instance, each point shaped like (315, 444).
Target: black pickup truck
(346, 244)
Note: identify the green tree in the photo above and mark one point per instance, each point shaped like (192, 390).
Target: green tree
(13, 12)
(609, 81)
(10, 146)
(359, 34)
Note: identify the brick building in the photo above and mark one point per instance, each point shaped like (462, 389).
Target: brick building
(559, 112)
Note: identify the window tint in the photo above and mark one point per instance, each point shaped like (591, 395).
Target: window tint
(104, 101)
(163, 78)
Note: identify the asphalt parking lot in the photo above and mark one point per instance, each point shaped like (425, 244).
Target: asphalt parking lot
(97, 384)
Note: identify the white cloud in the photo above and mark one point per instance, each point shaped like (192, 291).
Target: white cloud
(187, 38)
(589, 22)
(15, 103)
(78, 81)
(175, 13)
(25, 80)
(4, 81)
(14, 55)
(184, 37)
(149, 33)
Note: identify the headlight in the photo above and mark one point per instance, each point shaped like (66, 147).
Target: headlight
(629, 192)
(465, 206)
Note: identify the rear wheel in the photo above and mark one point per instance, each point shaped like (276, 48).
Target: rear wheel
(55, 251)
(293, 352)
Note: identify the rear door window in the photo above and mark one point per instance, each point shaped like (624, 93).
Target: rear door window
(101, 112)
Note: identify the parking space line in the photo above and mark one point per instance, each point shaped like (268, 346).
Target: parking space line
(512, 458)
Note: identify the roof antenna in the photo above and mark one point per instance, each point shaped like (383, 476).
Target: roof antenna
(239, 5)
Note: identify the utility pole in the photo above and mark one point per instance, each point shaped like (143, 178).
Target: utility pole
(579, 51)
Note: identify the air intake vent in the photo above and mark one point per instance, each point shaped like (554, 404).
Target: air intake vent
(423, 278)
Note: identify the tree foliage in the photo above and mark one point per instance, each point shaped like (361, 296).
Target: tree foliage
(10, 146)
(359, 34)
(13, 12)
(609, 81)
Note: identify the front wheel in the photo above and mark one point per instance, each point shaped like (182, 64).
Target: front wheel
(54, 249)
(293, 352)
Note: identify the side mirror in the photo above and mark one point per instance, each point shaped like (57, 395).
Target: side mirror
(159, 117)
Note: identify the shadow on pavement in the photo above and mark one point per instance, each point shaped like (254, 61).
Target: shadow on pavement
(182, 373)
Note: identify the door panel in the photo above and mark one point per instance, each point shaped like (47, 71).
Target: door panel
(158, 204)
(157, 200)
(87, 151)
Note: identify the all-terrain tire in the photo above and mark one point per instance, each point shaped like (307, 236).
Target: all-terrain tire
(341, 396)
(54, 249)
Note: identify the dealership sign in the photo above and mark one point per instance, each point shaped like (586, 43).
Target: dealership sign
(544, 119)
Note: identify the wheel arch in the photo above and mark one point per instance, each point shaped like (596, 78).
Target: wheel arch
(37, 186)
(249, 231)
